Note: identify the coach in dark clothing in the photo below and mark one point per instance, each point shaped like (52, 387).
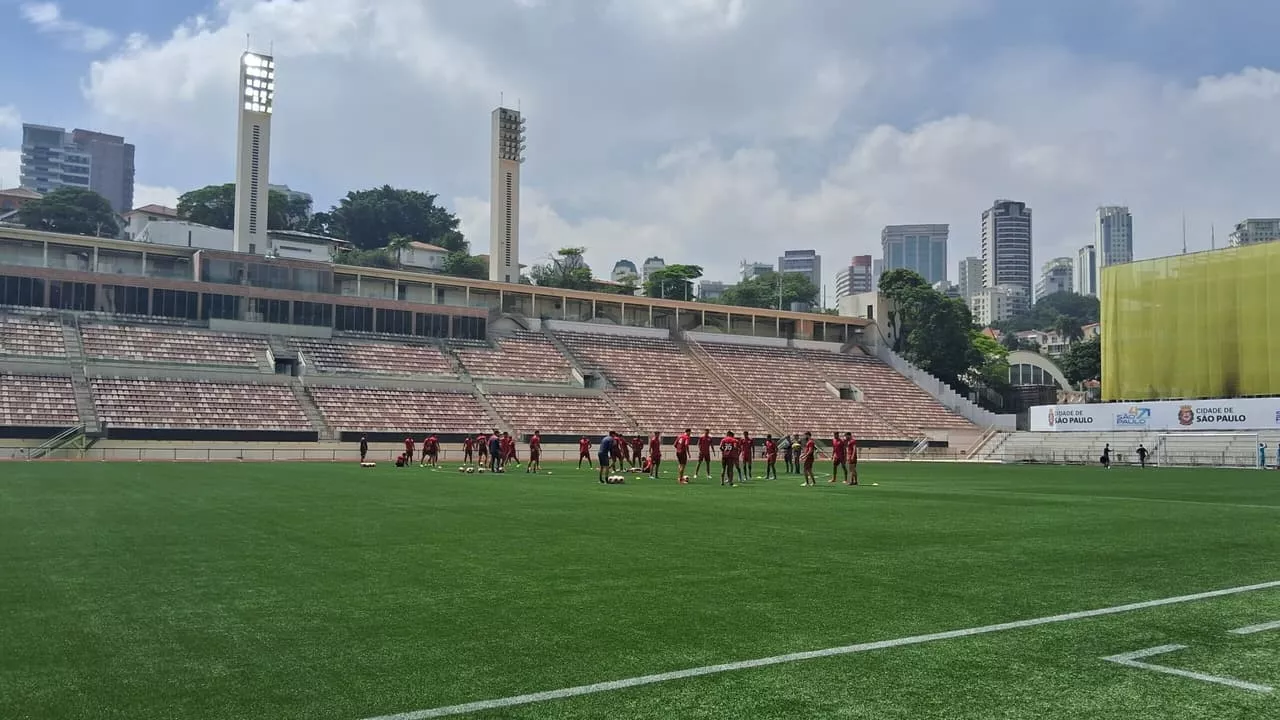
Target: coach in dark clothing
(495, 452)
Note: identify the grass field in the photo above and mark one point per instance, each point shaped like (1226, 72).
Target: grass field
(246, 591)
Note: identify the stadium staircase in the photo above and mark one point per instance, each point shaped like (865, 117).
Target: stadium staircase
(279, 349)
(72, 438)
(85, 407)
(579, 370)
(455, 363)
(763, 411)
(311, 410)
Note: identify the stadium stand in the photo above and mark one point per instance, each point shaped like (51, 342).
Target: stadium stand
(658, 384)
(37, 400)
(196, 404)
(522, 356)
(340, 357)
(139, 343)
(31, 337)
(372, 409)
(559, 414)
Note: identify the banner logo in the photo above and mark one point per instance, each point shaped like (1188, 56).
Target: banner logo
(1135, 417)
(1186, 416)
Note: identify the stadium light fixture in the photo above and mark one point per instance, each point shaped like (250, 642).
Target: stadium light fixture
(258, 82)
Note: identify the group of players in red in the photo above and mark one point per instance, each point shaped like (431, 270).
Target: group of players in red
(737, 455)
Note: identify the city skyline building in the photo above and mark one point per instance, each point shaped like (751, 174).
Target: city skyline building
(922, 248)
(856, 278)
(748, 270)
(969, 277)
(508, 132)
(1252, 231)
(624, 269)
(1055, 276)
(52, 158)
(805, 262)
(1086, 272)
(1007, 248)
(652, 265)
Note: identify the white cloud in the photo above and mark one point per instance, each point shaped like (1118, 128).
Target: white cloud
(9, 117)
(10, 164)
(47, 17)
(155, 195)
(777, 128)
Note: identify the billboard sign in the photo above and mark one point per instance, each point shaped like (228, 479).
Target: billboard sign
(1163, 415)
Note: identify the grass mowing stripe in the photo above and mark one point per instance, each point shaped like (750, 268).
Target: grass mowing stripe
(1091, 498)
(497, 703)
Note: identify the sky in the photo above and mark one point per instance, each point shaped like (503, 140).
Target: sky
(700, 131)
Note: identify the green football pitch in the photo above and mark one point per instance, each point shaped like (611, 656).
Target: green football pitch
(273, 591)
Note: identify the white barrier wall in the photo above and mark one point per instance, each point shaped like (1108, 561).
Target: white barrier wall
(1162, 415)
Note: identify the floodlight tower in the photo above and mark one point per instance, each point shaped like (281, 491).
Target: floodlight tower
(504, 196)
(253, 152)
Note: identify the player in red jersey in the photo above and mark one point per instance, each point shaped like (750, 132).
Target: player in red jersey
(728, 458)
(430, 451)
(584, 452)
(468, 450)
(770, 457)
(851, 453)
(619, 452)
(682, 456)
(637, 450)
(408, 450)
(704, 453)
(746, 453)
(838, 459)
(655, 454)
(807, 452)
(482, 450)
(535, 453)
(508, 445)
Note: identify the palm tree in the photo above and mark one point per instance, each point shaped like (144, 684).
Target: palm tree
(1068, 328)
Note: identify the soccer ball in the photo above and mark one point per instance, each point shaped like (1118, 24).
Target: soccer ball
(462, 468)
(616, 479)
(471, 470)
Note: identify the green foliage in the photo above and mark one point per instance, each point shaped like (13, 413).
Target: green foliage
(371, 218)
(215, 206)
(1082, 361)
(673, 282)
(377, 257)
(1045, 314)
(566, 269)
(993, 370)
(762, 291)
(904, 289)
(74, 211)
(935, 332)
(460, 264)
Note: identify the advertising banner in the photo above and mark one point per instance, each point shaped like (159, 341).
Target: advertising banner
(1163, 415)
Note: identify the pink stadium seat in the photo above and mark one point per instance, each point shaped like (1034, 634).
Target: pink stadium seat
(31, 337)
(368, 409)
(196, 404)
(37, 400)
(141, 343)
(341, 357)
(559, 414)
(523, 356)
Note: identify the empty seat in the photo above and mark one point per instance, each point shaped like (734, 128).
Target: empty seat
(369, 409)
(522, 356)
(141, 343)
(37, 400)
(31, 337)
(558, 414)
(341, 357)
(196, 405)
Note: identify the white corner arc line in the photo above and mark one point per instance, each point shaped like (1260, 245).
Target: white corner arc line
(1257, 628)
(1131, 659)
(514, 700)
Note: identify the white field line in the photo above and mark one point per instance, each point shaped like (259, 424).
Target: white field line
(1257, 628)
(1131, 659)
(514, 700)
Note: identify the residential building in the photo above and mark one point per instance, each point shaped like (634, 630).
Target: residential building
(877, 269)
(856, 278)
(284, 243)
(52, 158)
(1055, 277)
(652, 265)
(625, 270)
(993, 304)
(1006, 248)
(423, 256)
(1086, 275)
(805, 262)
(1256, 230)
(711, 290)
(504, 195)
(138, 218)
(754, 269)
(947, 288)
(1113, 237)
(970, 277)
(922, 248)
(253, 153)
(15, 198)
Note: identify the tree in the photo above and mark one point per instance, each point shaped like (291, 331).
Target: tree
(1068, 328)
(75, 211)
(904, 289)
(1049, 308)
(566, 269)
(377, 257)
(940, 340)
(460, 264)
(993, 370)
(673, 282)
(771, 290)
(370, 218)
(215, 206)
(1082, 361)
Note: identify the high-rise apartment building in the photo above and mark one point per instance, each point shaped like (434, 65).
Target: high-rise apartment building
(922, 248)
(1086, 271)
(253, 153)
(1006, 248)
(52, 158)
(1113, 235)
(504, 195)
(1255, 230)
(1055, 277)
(754, 269)
(652, 265)
(624, 270)
(877, 269)
(993, 304)
(856, 278)
(970, 277)
(805, 262)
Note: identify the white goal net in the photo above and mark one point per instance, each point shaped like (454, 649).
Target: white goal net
(1210, 449)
